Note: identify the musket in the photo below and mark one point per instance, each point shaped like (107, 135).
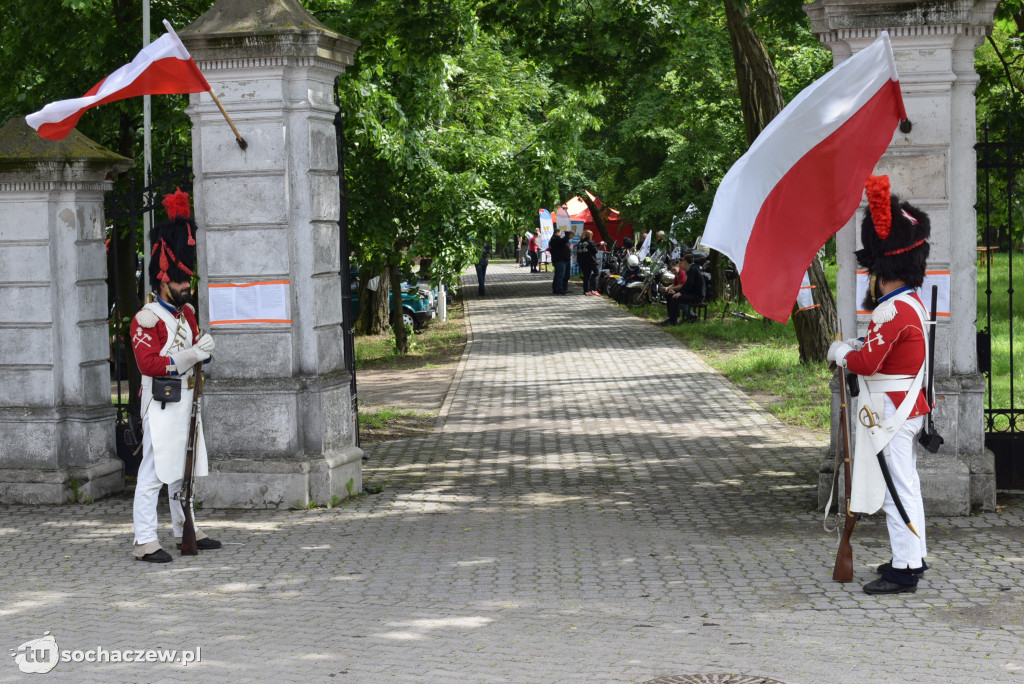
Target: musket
(188, 532)
(843, 570)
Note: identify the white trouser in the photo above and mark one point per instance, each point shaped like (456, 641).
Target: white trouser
(147, 492)
(908, 551)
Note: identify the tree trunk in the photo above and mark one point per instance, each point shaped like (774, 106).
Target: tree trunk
(756, 78)
(373, 304)
(816, 328)
(717, 267)
(595, 213)
(761, 100)
(397, 323)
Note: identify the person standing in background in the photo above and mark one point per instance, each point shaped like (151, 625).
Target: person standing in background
(481, 268)
(534, 248)
(558, 246)
(586, 255)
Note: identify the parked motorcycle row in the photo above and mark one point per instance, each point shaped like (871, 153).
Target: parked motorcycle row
(633, 281)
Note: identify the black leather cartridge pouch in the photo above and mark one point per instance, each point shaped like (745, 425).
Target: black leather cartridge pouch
(166, 390)
(929, 439)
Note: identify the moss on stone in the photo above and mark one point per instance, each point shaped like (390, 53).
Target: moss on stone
(20, 144)
(244, 16)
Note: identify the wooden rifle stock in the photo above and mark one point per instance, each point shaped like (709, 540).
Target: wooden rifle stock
(189, 545)
(843, 570)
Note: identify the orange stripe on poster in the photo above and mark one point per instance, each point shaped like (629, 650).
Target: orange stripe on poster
(262, 282)
(253, 320)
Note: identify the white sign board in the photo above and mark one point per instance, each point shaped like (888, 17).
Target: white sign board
(260, 302)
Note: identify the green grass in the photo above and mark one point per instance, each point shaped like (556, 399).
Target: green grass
(1002, 322)
(761, 359)
(378, 419)
(436, 342)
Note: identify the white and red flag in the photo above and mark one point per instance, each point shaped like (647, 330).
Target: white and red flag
(164, 67)
(803, 177)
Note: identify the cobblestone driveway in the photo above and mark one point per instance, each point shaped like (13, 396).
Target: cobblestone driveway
(598, 505)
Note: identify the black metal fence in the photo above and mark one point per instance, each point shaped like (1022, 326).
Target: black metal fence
(124, 212)
(1001, 217)
(347, 315)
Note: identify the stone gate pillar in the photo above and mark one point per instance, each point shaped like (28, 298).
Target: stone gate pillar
(56, 417)
(933, 167)
(277, 409)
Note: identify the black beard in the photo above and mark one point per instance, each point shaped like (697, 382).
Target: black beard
(182, 298)
(873, 294)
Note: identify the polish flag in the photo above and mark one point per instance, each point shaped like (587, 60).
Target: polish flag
(803, 177)
(164, 67)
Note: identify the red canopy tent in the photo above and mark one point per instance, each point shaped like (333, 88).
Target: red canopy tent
(617, 228)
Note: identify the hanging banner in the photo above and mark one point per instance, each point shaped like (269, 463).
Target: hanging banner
(547, 228)
(546, 231)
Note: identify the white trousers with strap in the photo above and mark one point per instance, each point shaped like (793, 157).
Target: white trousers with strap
(908, 551)
(147, 492)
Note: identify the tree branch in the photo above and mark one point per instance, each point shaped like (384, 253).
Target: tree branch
(1006, 67)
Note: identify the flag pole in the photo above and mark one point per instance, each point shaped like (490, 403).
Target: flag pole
(147, 154)
(238, 136)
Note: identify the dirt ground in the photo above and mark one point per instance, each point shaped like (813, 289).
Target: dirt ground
(420, 390)
(415, 390)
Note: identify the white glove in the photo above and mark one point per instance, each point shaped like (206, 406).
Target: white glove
(837, 353)
(186, 358)
(855, 343)
(205, 343)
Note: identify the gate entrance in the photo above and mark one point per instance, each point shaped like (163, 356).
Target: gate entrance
(1000, 160)
(125, 262)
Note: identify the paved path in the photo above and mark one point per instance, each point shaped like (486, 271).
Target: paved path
(598, 505)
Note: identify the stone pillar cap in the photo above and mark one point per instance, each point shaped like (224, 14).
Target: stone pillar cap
(229, 22)
(21, 146)
(245, 16)
(831, 15)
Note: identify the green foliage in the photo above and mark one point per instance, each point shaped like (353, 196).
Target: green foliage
(450, 134)
(58, 49)
(1000, 107)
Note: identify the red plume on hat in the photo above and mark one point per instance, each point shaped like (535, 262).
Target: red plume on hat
(894, 236)
(176, 204)
(877, 188)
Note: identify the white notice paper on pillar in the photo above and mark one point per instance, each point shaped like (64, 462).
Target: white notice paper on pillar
(261, 302)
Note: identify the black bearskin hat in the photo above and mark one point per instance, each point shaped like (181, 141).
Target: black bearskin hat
(894, 236)
(173, 258)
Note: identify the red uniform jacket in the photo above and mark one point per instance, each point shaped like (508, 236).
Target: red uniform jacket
(895, 348)
(147, 341)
